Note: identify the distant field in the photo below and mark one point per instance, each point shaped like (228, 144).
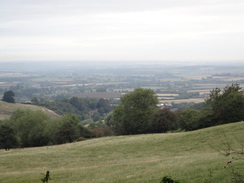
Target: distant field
(12, 74)
(196, 100)
(106, 95)
(208, 86)
(167, 95)
(96, 84)
(7, 84)
(201, 92)
(228, 78)
(6, 109)
(188, 156)
(53, 79)
(163, 96)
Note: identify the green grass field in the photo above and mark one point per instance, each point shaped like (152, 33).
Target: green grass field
(6, 109)
(188, 156)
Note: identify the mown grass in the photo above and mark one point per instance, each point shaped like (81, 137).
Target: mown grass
(7, 109)
(189, 156)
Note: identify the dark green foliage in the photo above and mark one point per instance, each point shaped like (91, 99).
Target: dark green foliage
(90, 112)
(167, 179)
(226, 105)
(163, 120)
(96, 116)
(34, 101)
(9, 97)
(7, 137)
(34, 128)
(83, 107)
(78, 104)
(134, 113)
(103, 105)
(188, 105)
(85, 133)
(188, 119)
(61, 107)
(30, 127)
(222, 106)
(68, 129)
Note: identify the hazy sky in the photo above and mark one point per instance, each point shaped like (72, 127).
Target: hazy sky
(122, 30)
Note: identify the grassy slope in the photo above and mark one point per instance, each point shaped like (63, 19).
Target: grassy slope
(6, 109)
(124, 159)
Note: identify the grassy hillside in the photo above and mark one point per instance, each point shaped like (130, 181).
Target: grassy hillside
(128, 159)
(6, 109)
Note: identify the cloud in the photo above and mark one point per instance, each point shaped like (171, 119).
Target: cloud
(121, 30)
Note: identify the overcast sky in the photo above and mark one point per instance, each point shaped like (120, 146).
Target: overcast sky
(122, 30)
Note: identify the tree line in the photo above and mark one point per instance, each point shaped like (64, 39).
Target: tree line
(84, 108)
(137, 113)
(27, 128)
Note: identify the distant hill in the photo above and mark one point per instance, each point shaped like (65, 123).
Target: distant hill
(6, 109)
(191, 156)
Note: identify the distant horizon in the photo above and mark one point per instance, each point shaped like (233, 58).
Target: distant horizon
(116, 64)
(166, 62)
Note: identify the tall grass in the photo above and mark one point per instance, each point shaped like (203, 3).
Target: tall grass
(189, 156)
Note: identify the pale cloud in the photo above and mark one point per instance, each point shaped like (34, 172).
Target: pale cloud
(122, 30)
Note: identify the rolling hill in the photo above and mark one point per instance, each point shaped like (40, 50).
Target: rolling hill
(191, 156)
(6, 109)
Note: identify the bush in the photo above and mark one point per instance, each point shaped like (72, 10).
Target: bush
(163, 120)
(7, 137)
(9, 97)
(189, 119)
(30, 127)
(67, 129)
(167, 179)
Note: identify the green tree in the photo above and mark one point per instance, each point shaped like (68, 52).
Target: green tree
(226, 105)
(35, 101)
(7, 137)
(104, 105)
(30, 127)
(9, 97)
(163, 120)
(133, 114)
(189, 119)
(68, 129)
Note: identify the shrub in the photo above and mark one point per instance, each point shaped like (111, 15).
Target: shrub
(167, 179)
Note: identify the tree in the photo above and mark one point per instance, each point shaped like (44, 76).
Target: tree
(68, 129)
(163, 120)
(30, 127)
(226, 105)
(133, 114)
(189, 119)
(7, 137)
(35, 101)
(104, 105)
(9, 97)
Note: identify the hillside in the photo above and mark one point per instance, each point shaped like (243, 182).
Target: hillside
(188, 156)
(6, 109)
